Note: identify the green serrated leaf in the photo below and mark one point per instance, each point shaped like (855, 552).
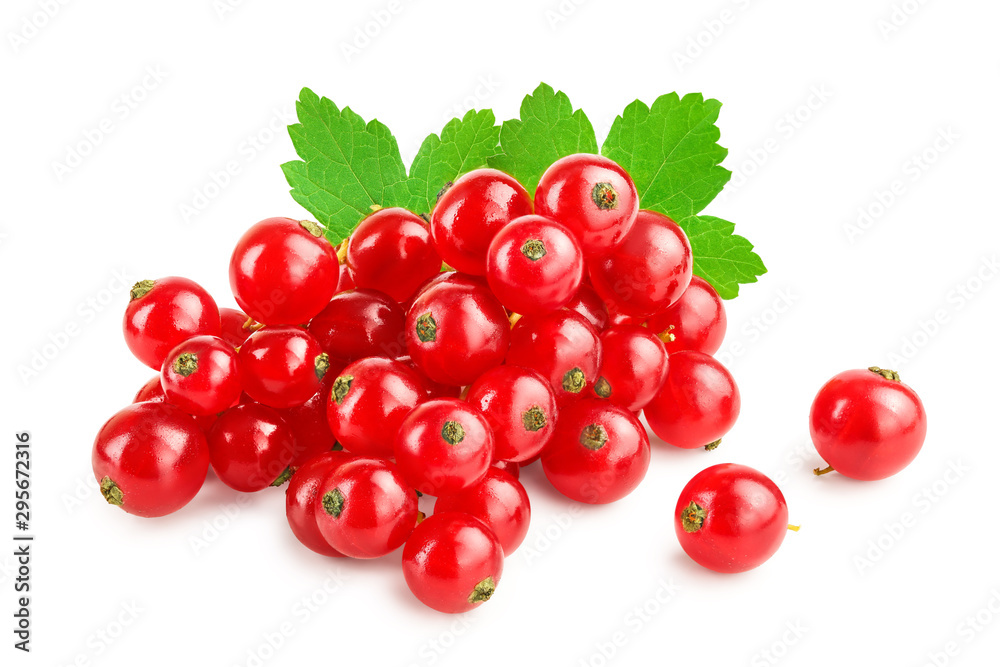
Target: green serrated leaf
(347, 166)
(724, 259)
(671, 151)
(465, 144)
(547, 130)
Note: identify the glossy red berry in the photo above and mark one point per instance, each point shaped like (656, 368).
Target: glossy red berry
(696, 321)
(360, 323)
(649, 271)
(561, 346)
(368, 402)
(300, 497)
(236, 326)
(364, 509)
(164, 313)
(434, 389)
(591, 307)
(152, 392)
(452, 562)
(633, 366)
(499, 501)
(444, 446)
(391, 251)
(592, 196)
(251, 447)
(470, 213)
(150, 459)
(730, 518)
(866, 424)
(283, 271)
(282, 366)
(201, 377)
(309, 423)
(520, 406)
(698, 404)
(509, 467)
(599, 454)
(456, 331)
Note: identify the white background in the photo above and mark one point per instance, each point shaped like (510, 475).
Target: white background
(826, 105)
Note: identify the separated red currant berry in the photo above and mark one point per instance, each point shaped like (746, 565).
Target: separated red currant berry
(452, 562)
(300, 500)
(649, 271)
(368, 402)
(150, 459)
(152, 392)
(282, 366)
(444, 446)
(164, 313)
(867, 424)
(470, 213)
(561, 346)
(499, 501)
(633, 367)
(592, 196)
(252, 447)
(696, 321)
(283, 271)
(599, 454)
(590, 306)
(698, 404)
(364, 509)
(309, 423)
(236, 326)
(360, 323)
(201, 377)
(730, 518)
(520, 406)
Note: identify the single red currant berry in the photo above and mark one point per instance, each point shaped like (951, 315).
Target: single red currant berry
(283, 271)
(360, 323)
(152, 392)
(251, 447)
(696, 321)
(391, 251)
(590, 306)
(633, 367)
(866, 424)
(282, 366)
(150, 459)
(599, 454)
(201, 377)
(520, 406)
(730, 518)
(592, 196)
(649, 271)
(561, 346)
(452, 562)
(456, 331)
(364, 509)
(499, 501)
(470, 212)
(309, 423)
(164, 313)
(369, 400)
(300, 497)
(444, 446)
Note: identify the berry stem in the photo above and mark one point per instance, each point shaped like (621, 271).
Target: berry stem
(822, 471)
(794, 528)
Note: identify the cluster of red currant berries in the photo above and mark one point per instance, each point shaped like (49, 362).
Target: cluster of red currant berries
(367, 376)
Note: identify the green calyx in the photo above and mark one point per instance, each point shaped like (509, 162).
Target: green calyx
(285, 475)
(322, 365)
(593, 437)
(333, 503)
(574, 380)
(185, 364)
(712, 445)
(141, 289)
(533, 249)
(483, 591)
(312, 228)
(693, 517)
(534, 419)
(452, 432)
(605, 196)
(341, 386)
(884, 372)
(112, 492)
(602, 387)
(426, 328)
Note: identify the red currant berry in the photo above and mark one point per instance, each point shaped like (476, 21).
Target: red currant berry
(434, 389)
(456, 331)
(251, 447)
(509, 467)
(309, 424)
(590, 306)
(698, 404)
(300, 497)
(866, 424)
(521, 408)
(360, 323)
(696, 321)
(283, 271)
(649, 271)
(470, 213)
(452, 562)
(633, 367)
(499, 501)
(369, 401)
(282, 366)
(152, 392)
(150, 459)
(346, 282)
(201, 377)
(561, 346)
(730, 518)
(164, 313)
(599, 454)
(534, 265)
(444, 446)
(391, 251)
(364, 509)
(592, 196)
(236, 326)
